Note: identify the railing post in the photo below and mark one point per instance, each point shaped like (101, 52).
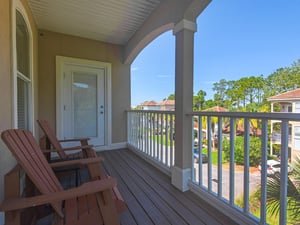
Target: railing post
(184, 63)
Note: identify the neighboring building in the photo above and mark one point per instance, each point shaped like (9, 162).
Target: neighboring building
(167, 105)
(288, 102)
(149, 105)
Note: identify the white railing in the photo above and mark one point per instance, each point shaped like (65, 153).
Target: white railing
(228, 182)
(151, 134)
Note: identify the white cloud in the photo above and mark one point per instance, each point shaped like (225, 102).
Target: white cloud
(134, 69)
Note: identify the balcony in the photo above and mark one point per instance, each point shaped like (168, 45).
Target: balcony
(151, 136)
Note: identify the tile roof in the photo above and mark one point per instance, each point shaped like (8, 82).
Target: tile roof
(167, 102)
(216, 109)
(294, 94)
(149, 103)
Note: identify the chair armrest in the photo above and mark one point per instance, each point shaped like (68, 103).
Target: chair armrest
(78, 147)
(83, 161)
(48, 150)
(84, 189)
(74, 139)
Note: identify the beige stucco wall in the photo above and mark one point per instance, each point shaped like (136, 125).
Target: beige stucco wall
(6, 161)
(52, 44)
(6, 79)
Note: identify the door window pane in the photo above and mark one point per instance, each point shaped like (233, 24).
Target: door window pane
(85, 104)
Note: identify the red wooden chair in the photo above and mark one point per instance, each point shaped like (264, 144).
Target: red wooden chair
(87, 150)
(89, 204)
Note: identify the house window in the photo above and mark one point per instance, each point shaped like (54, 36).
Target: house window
(297, 107)
(297, 137)
(23, 73)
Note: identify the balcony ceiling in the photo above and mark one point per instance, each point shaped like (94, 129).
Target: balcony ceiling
(113, 21)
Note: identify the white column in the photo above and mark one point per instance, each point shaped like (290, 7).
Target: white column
(184, 66)
(271, 142)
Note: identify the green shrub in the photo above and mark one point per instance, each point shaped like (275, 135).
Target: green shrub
(254, 150)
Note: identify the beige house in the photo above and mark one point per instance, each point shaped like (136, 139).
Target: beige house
(69, 62)
(287, 102)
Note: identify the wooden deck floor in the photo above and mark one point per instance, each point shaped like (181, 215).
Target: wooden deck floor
(151, 198)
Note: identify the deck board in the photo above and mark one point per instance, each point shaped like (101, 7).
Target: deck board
(150, 196)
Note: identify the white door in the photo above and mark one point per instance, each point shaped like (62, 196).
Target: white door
(83, 97)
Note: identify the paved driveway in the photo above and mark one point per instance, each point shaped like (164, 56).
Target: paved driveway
(254, 180)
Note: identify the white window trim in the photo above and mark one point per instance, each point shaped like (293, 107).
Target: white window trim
(18, 6)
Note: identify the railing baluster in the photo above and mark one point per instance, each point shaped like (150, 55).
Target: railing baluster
(147, 133)
(200, 139)
(161, 136)
(246, 164)
(151, 134)
(209, 145)
(231, 176)
(284, 171)
(171, 139)
(157, 137)
(167, 140)
(263, 182)
(220, 150)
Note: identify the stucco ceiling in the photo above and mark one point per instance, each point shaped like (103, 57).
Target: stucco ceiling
(113, 21)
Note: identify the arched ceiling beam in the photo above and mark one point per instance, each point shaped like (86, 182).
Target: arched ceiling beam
(163, 18)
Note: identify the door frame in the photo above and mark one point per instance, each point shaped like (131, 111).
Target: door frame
(60, 62)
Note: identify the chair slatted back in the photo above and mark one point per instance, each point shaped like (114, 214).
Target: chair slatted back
(30, 157)
(49, 132)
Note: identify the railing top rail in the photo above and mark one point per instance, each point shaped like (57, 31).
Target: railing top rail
(251, 115)
(152, 111)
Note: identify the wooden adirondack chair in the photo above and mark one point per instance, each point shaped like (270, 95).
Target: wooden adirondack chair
(89, 204)
(87, 150)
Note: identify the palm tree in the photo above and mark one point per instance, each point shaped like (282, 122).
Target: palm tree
(293, 194)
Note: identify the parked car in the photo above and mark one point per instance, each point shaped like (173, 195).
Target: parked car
(273, 167)
(196, 156)
(196, 142)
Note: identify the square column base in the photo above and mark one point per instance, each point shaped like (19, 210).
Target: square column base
(180, 178)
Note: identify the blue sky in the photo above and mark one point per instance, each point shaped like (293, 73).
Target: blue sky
(234, 39)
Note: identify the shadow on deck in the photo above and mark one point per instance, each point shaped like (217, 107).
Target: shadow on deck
(150, 196)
